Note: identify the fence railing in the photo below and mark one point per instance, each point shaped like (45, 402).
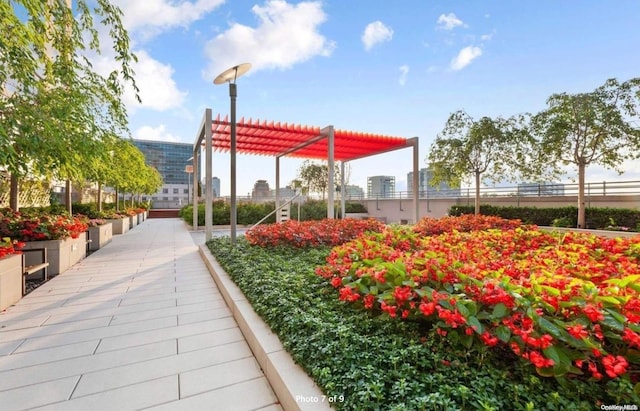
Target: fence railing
(604, 188)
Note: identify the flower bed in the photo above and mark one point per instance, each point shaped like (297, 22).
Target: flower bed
(566, 303)
(310, 233)
(374, 363)
(9, 246)
(37, 227)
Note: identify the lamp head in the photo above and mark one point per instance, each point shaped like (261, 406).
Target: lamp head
(230, 75)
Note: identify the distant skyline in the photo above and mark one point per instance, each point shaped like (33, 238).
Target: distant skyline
(373, 66)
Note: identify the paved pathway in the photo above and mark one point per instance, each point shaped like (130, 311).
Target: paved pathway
(139, 324)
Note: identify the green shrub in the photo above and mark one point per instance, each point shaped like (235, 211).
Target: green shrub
(596, 217)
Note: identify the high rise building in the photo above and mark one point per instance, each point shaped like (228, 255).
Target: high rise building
(215, 182)
(381, 187)
(261, 191)
(353, 192)
(170, 159)
(425, 189)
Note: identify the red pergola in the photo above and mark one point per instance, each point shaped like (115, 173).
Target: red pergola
(292, 140)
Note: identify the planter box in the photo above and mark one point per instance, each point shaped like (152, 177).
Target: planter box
(120, 225)
(10, 280)
(62, 254)
(133, 221)
(100, 236)
(140, 218)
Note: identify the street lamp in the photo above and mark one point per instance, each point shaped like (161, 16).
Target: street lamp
(230, 76)
(189, 169)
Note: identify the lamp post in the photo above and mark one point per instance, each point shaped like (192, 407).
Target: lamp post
(189, 169)
(230, 76)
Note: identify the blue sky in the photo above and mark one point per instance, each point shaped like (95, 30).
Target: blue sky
(390, 67)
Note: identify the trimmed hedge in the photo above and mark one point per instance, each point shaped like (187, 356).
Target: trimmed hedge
(249, 213)
(596, 218)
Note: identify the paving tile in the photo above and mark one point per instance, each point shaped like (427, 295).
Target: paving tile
(49, 330)
(97, 333)
(80, 365)
(156, 368)
(232, 398)
(210, 339)
(37, 395)
(26, 359)
(10, 322)
(218, 376)
(132, 397)
(166, 333)
(166, 312)
(196, 317)
(8, 347)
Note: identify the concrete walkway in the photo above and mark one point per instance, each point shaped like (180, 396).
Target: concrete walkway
(139, 324)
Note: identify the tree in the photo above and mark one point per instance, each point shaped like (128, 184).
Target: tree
(487, 148)
(599, 127)
(54, 107)
(314, 177)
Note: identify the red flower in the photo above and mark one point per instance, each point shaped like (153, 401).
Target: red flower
(347, 294)
(577, 331)
(427, 308)
(402, 294)
(615, 366)
(488, 339)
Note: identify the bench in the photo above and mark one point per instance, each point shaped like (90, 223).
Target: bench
(31, 269)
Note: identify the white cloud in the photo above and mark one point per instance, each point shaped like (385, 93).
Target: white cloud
(449, 22)
(486, 37)
(465, 57)
(158, 90)
(404, 71)
(150, 17)
(375, 33)
(286, 34)
(158, 134)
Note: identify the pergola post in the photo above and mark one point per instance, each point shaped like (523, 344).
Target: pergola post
(416, 181)
(331, 184)
(277, 188)
(196, 167)
(208, 160)
(342, 199)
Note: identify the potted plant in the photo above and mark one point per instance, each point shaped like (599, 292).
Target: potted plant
(63, 236)
(100, 233)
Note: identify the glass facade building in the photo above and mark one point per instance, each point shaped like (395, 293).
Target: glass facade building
(170, 159)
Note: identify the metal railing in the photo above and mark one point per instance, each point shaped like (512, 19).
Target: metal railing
(276, 210)
(604, 188)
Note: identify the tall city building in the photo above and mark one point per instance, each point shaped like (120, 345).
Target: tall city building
(261, 191)
(425, 189)
(381, 187)
(215, 183)
(353, 192)
(170, 159)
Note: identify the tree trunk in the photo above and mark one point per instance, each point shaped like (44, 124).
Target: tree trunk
(581, 199)
(477, 201)
(14, 193)
(99, 199)
(67, 197)
(117, 201)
